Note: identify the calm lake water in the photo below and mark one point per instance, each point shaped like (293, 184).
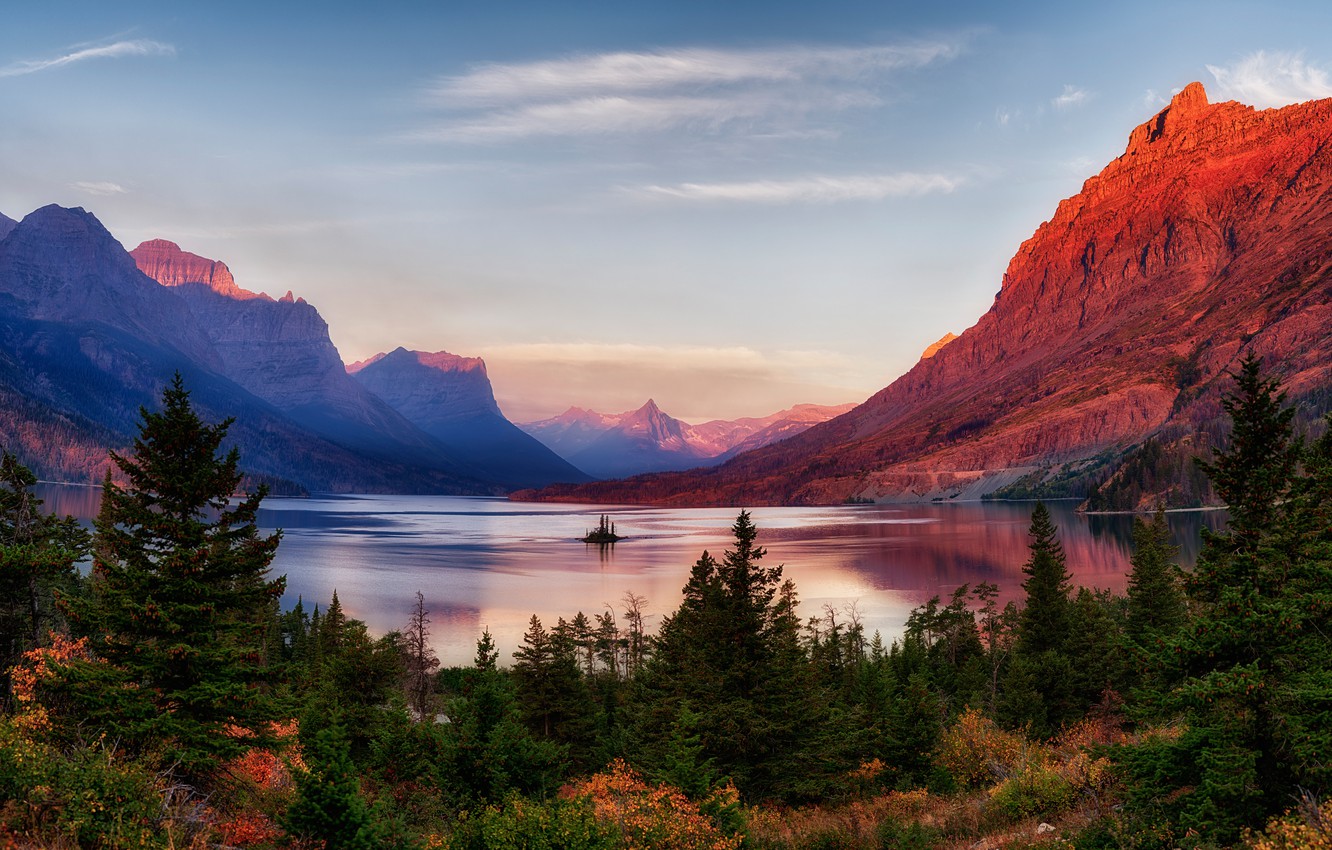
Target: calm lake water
(491, 563)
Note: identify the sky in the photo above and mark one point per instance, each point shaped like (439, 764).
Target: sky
(727, 207)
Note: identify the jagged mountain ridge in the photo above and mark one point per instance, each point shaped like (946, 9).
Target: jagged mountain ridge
(1116, 322)
(86, 339)
(611, 445)
(450, 398)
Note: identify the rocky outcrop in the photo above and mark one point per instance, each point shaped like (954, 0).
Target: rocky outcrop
(167, 264)
(933, 348)
(1116, 321)
(6, 225)
(450, 398)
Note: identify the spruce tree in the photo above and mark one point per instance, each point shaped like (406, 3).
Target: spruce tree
(181, 592)
(1251, 673)
(37, 557)
(1038, 689)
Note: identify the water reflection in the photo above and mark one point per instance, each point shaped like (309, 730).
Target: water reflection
(492, 563)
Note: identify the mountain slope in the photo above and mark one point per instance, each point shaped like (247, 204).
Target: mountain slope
(450, 398)
(1116, 322)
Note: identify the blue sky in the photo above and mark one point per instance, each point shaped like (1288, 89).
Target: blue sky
(728, 207)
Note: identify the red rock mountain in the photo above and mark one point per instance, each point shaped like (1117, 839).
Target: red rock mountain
(1210, 237)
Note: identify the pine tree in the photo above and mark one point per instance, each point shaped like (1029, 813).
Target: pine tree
(37, 557)
(1038, 689)
(180, 589)
(1251, 673)
(1155, 608)
(731, 655)
(328, 806)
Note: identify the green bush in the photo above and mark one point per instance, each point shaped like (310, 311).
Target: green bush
(88, 795)
(894, 834)
(1037, 791)
(527, 825)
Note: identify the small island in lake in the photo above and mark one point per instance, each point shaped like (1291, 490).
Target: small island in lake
(603, 533)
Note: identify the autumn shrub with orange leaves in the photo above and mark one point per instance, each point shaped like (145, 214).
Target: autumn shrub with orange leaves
(32, 677)
(260, 788)
(647, 817)
(1309, 827)
(975, 751)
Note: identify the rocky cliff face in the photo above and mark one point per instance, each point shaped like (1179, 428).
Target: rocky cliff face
(450, 398)
(6, 225)
(281, 351)
(1116, 321)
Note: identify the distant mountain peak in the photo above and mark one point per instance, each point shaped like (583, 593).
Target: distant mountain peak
(6, 225)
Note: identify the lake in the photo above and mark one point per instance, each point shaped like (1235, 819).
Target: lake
(491, 563)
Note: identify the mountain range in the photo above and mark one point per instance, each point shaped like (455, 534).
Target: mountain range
(614, 445)
(89, 333)
(1103, 359)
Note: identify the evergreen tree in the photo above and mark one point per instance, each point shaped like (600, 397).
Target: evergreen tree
(1251, 674)
(554, 698)
(731, 656)
(37, 556)
(329, 807)
(1155, 607)
(1038, 687)
(180, 590)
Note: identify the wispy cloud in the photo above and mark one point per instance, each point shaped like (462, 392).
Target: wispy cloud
(1266, 79)
(822, 190)
(764, 92)
(98, 188)
(133, 47)
(1070, 97)
(628, 72)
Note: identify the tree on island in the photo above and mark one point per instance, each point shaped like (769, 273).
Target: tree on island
(603, 533)
(180, 597)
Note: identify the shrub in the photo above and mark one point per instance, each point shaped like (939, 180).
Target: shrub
(88, 796)
(655, 816)
(975, 751)
(1037, 791)
(524, 825)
